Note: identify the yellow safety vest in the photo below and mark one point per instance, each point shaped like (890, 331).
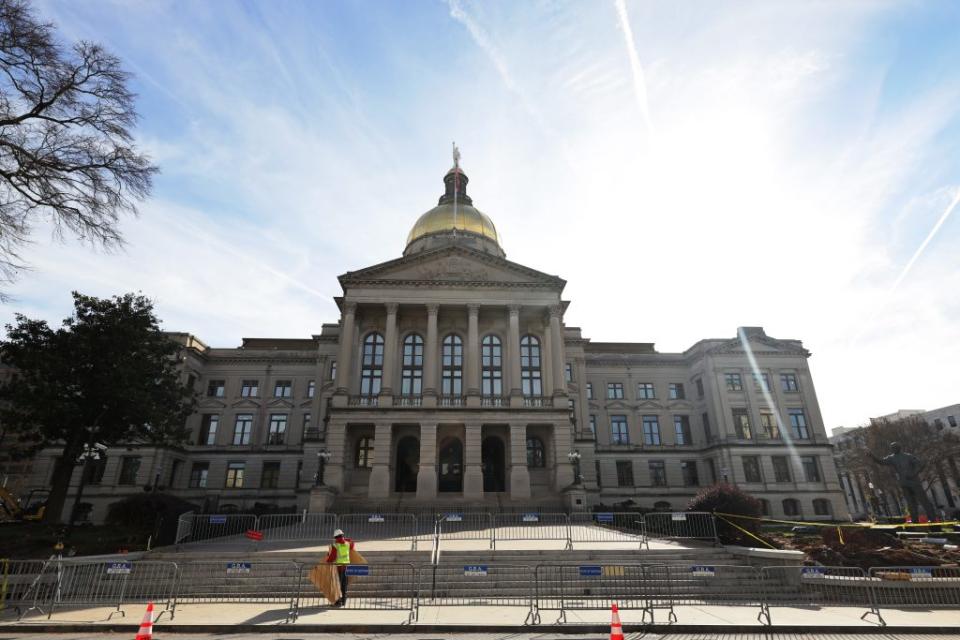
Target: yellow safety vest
(343, 552)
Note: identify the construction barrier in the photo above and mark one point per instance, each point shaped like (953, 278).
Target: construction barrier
(465, 526)
(681, 525)
(316, 527)
(391, 587)
(704, 585)
(915, 587)
(401, 527)
(24, 587)
(239, 581)
(590, 586)
(607, 527)
(478, 585)
(815, 587)
(200, 527)
(184, 527)
(531, 526)
(110, 584)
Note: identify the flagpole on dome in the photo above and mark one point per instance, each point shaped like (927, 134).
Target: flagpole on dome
(456, 184)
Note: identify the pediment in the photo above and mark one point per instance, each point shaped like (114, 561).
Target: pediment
(280, 403)
(211, 403)
(246, 403)
(452, 266)
(649, 404)
(761, 344)
(680, 404)
(618, 404)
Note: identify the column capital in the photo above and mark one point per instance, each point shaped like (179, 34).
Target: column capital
(433, 308)
(473, 308)
(349, 307)
(391, 307)
(514, 309)
(555, 310)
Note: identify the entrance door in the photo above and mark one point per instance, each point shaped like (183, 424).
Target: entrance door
(408, 463)
(494, 469)
(451, 466)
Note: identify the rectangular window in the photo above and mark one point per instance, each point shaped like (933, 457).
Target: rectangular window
(676, 391)
(681, 426)
(624, 473)
(242, 428)
(733, 381)
(781, 469)
(762, 381)
(651, 430)
(811, 471)
(658, 473)
(788, 382)
(215, 388)
(646, 391)
(198, 475)
(618, 430)
(691, 478)
(768, 423)
(568, 372)
(707, 435)
(712, 470)
(798, 424)
(741, 424)
(283, 389)
(129, 467)
(593, 424)
(699, 383)
(96, 469)
(270, 478)
(235, 475)
(615, 390)
(208, 429)
(952, 420)
(250, 389)
(589, 391)
(311, 388)
(278, 428)
(306, 422)
(333, 370)
(751, 469)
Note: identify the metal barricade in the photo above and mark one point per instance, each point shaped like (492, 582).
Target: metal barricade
(102, 584)
(815, 587)
(240, 581)
(297, 526)
(204, 526)
(26, 585)
(381, 526)
(703, 585)
(478, 585)
(386, 586)
(590, 586)
(607, 527)
(686, 525)
(184, 526)
(531, 526)
(915, 587)
(466, 526)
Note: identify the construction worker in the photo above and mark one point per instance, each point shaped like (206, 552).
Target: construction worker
(339, 554)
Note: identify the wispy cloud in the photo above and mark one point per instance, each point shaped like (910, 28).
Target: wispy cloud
(639, 79)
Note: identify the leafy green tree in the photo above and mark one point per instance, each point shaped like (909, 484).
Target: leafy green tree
(109, 375)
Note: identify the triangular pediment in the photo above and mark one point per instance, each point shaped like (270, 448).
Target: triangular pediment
(760, 343)
(453, 265)
(210, 403)
(246, 403)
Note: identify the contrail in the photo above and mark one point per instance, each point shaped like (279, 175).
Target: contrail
(639, 78)
(926, 241)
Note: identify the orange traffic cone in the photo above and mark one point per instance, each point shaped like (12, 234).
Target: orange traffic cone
(616, 629)
(146, 627)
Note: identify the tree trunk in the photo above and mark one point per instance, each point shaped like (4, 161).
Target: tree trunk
(62, 473)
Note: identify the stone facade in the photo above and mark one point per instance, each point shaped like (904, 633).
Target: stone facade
(451, 378)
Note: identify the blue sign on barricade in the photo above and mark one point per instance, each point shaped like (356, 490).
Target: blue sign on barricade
(604, 517)
(358, 570)
(375, 517)
(238, 567)
(591, 571)
(703, 571)
(921, 572)
(454, 517)
(218, 519)
(119, 567)
(475, 570)
(813, 572)
(531, 517)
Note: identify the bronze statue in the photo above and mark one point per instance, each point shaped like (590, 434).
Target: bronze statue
(907, 468)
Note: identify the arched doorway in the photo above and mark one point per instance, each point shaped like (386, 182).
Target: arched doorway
(494, 469)
(451, 466)
(408, 463)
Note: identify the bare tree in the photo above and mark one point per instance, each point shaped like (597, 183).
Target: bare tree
(66, 149)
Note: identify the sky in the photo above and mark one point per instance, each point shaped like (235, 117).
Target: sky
(688, 168)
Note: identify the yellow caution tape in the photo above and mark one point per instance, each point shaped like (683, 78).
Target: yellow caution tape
(852, 525)
(761, 540)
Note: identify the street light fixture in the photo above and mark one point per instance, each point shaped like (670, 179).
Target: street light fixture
(323, 456)
(90, 453)
(574, 458)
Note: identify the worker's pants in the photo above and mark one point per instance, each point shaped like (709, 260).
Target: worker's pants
(342, 573)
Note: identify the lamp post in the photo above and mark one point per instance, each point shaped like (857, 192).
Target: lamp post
(323, 456)
(89, 454)
(574, 458)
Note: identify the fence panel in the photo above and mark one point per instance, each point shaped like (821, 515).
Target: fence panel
(466, 526)
(297, 526)
(383, 586)
(111, 584)
(531, 526)
(916, 587)
(381, 526)
(815, 587)
(606, 527)
(184, 526)
(241, 581)
(478, 585)
(27, 584)
(687, 525)
(590, 586)
(204, 527)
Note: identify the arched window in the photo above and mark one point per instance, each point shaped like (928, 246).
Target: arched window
(821, 507)
(452, 366)
(530, 366)
(536, 457)
(791, 507)
(411, 383)
(364, 459)
(371, 372)
(491, 354)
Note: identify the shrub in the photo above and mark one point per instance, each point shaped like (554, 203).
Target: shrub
(727, 498)
(150, 513)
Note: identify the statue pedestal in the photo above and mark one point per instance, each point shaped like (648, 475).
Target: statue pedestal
(321, 499)
(575, 498)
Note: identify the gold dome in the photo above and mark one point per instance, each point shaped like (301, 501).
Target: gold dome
(441, 219)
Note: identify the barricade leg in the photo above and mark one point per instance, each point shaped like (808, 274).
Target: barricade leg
(123, 590)
(764, 616)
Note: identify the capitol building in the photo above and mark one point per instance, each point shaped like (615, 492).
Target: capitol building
(450, 380)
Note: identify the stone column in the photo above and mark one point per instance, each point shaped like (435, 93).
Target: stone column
(546, 361)
(519, 475)
(472, 359)
(344, 360)
(473, 471)
(430, 363)
(563, 470)
(427, 474)
(336, 444)
(513, 352)
(389, 355)
(556, 338)
(379, 486)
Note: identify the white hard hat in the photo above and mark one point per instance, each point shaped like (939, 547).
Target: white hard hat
(338, 532)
